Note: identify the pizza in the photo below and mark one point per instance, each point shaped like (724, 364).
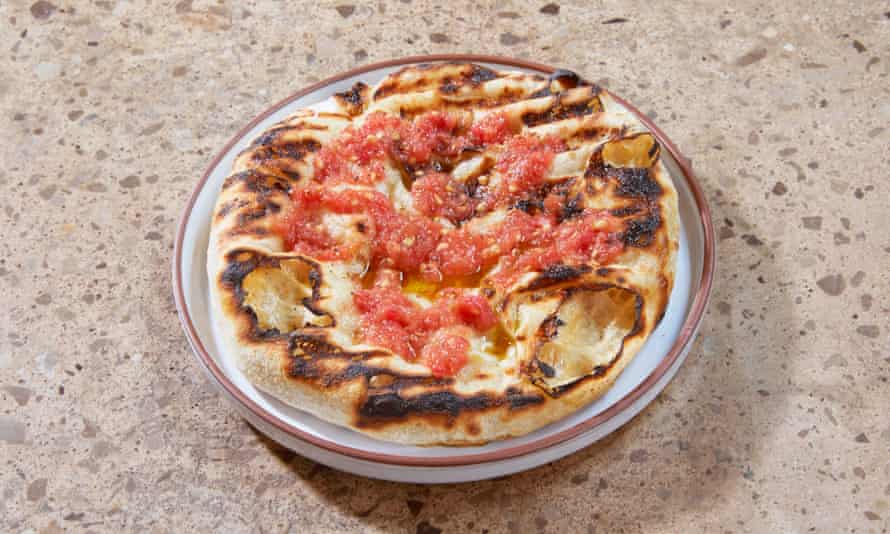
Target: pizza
(452, 256)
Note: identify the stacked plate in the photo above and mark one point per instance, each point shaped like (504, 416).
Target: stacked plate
(646, 375)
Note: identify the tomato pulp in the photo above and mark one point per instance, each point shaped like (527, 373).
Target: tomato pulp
(416, 244)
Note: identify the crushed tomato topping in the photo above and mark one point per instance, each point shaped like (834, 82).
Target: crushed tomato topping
(524, 164)
(392, 320)
(416, 244)
(493, 128)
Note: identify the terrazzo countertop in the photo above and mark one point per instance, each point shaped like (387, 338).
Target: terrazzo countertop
(111, 110)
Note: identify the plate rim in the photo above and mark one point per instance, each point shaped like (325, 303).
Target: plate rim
(690, 325)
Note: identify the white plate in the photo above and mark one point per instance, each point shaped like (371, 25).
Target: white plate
(646, 375)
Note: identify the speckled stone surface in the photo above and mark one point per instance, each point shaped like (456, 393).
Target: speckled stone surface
(110, 111)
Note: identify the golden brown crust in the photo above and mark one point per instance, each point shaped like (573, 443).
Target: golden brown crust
(303, 352)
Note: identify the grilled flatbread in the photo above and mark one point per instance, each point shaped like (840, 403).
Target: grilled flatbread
(452, 256)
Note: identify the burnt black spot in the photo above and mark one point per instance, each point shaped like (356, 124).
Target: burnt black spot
(361, 227)
(393, 406)
(316, 347)
(294, 150)
(653, 150)
(307, 363)
(304, 368)
(353, 98)
(269, 136)
(603, 271)
(258, 182)
(565, 78)
(556, 274)
(448, 87)
(529, 205)
(635, 183)
(227, 208)
(240, 264)
(480, 74)
(548, 371)
(559, 111)
(247, 216)
(641, 232)
(517, 400)
(625, 211)
(571, 209)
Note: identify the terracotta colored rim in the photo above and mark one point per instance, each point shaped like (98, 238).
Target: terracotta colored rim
(689, 326)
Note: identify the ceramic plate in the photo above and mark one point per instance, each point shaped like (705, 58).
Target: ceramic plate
(646, 375)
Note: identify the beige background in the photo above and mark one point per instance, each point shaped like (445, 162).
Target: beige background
(111, 110)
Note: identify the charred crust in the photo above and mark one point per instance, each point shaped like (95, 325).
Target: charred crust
(557, 274)
(472, 75)
(567, 79)
(315, 347)
(559, 111)
(625, 211)
(480, 74)
(263, 186)
(448, 87)
(254, 231)
(517, 400)
(640, 232)
(534, 202)
(563, 79)
(295, 150)
(593, 131)
(548, 371)
(227, 207)
(634, 183)
(392, 406)
(653, 150)
(240, 263)
(269, 136)
(353, 99)
(255, 181)
(247, 216)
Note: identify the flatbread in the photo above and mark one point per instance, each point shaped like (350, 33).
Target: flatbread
(563, 332)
